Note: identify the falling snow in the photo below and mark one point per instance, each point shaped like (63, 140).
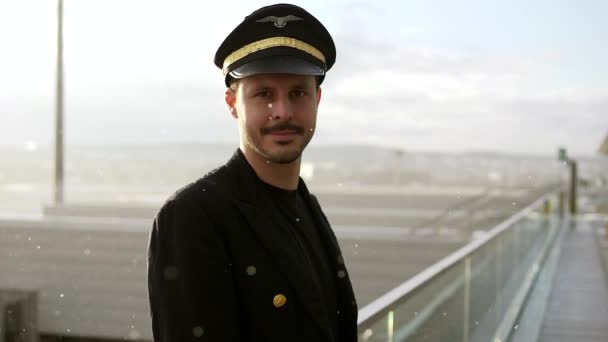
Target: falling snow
(198, 331)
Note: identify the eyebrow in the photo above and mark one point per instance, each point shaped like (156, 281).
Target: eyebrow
(297, 86)
(260, 88)
(300, 86)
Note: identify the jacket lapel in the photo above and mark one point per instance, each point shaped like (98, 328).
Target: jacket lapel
(345, 294)
(259, 211)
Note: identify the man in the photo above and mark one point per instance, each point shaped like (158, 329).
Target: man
(245, 253)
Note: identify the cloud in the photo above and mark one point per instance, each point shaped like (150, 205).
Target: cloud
(444, 99)
(152, 79)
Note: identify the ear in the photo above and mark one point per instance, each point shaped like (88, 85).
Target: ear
(318, 95)
(230, 98)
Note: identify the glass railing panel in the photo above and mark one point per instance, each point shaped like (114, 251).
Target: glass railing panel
(438, 312)
(433, 313)
(498, 270)
(484, 291)
(468, 296)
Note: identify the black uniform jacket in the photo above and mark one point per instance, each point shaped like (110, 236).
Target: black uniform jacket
(222, 267)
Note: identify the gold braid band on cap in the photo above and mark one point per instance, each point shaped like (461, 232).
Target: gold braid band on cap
(270, 43)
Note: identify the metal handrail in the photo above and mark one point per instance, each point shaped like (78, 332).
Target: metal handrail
(386, 302)
(446, 212)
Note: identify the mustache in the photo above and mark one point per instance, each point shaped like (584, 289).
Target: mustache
(282, 127)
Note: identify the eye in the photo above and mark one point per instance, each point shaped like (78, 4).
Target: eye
(263, 93)
(298, 93)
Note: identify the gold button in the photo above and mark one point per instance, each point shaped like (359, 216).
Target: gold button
(279, 300)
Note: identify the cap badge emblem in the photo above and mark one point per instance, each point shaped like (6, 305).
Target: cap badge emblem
(279, 22)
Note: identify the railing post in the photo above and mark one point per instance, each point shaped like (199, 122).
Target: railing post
(467, 299)
(2, 327)
(562, 203)
(390, 326)
(498, 285)
(547, 207)
(573, 186)
(59, 107)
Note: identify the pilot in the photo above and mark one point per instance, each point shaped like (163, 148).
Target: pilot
(245, 253)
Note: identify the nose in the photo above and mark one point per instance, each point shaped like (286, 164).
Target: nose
(280, 109)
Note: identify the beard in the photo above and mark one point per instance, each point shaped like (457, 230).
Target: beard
(278, 152)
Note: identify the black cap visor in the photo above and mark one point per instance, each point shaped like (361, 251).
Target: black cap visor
(277, 65)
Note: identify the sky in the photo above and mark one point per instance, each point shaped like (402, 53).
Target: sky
(520, 77)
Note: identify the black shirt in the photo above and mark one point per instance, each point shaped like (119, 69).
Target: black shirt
(306, 234)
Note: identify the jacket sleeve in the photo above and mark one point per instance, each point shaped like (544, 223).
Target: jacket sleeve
(190, 285)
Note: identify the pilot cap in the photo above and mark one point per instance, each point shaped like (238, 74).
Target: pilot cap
(280, 38)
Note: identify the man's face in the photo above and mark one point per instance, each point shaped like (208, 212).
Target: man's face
(277, 114)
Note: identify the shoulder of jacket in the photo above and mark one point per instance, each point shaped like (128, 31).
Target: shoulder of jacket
(210, 190)
(315, 201)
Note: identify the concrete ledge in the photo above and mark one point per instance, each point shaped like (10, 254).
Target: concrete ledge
(92, 210)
